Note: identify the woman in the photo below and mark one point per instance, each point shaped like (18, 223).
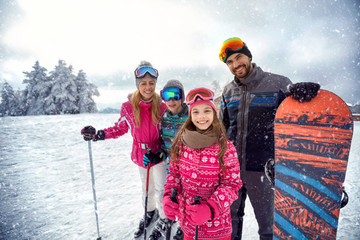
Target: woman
(141, 115)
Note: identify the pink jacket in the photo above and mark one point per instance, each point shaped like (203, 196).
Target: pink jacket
(199, 173)
(147, 135)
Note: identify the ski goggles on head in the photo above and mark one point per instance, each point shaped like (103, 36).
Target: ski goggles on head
(199, 93)
(231, 44)
(171, 93)
(140, 72)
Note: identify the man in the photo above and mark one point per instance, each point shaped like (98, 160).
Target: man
(248, 108)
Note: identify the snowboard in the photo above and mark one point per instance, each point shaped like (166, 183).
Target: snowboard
(312, 145)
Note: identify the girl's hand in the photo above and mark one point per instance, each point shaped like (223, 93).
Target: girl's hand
(171, 209)
(198, 214)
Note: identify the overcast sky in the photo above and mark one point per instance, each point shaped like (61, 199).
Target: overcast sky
(304, 40)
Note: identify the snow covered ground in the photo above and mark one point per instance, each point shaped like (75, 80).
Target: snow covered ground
(45, 182)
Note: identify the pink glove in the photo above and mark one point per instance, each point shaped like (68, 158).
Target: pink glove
(198, 214)
(171, 209)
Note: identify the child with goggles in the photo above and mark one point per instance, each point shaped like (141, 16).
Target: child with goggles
(204, 170)
(142, 115)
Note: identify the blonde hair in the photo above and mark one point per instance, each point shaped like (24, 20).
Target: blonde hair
(218, 130)
(155, 108)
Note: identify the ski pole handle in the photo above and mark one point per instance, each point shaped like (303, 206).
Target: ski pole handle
(174, 192)
(196, 201)
(148, 150)
(170, 222)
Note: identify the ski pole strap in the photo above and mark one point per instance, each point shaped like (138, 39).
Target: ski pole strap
(212, 212)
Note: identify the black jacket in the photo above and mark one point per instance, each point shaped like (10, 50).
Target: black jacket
(248, 110)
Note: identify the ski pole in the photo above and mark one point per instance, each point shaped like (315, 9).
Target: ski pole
(93, 188)
(146, 192)
(169, 224)
(196, 201)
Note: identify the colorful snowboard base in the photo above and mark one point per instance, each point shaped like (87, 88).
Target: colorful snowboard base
(312, 145)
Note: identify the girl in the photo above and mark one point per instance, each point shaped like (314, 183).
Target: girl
(141, 115)
(204, 170)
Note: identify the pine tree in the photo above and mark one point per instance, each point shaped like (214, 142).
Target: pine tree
(85, 92)
(217, 89)
(37, 89)
(9, 105)
(62, 98)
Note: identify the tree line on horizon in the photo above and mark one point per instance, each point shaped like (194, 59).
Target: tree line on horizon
(59, 92)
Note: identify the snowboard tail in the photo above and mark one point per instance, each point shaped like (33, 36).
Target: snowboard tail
(312, 145)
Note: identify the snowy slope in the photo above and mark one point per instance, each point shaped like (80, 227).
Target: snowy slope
(45, 182)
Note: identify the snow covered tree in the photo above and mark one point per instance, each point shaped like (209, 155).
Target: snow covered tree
(9, 105)
(37, 89)
(85, 92)
(216, 87)
(62, 98)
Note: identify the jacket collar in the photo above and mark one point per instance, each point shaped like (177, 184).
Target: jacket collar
(184, 111)
(253, 79)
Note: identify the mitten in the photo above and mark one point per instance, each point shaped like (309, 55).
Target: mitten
(153, 158)
(88, 133)
(171, 209)
(303, 91)
(198, 214)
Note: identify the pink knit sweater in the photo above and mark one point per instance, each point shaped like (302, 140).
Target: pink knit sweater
(198, 174)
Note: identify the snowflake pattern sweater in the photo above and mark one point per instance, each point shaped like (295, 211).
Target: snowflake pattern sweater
(198, 173)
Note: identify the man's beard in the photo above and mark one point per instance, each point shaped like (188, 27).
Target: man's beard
(245, 73)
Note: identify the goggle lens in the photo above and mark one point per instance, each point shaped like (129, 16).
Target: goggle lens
(140, 72)
(168, 93)
(202, 93)
(231, 43)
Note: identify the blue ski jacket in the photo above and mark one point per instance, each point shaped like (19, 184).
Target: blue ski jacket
(170, 126)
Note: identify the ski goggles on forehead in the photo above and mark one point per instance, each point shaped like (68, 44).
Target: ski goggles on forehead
(199, 93)
(233, 44)
(171, 93)
(140, 72)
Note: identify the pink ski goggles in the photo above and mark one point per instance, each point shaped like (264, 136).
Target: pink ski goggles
(199, 93)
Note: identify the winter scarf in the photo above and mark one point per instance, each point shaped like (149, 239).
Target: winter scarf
(199, 139)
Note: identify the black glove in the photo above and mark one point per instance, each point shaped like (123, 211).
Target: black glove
(89, 133)
(100, 135)
(153, 158)
(303, 91)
